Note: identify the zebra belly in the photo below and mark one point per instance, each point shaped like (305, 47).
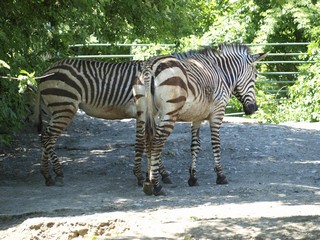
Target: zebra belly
(194, 111)
(127, 110)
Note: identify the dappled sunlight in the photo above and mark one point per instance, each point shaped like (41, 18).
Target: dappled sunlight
(307, 162)
(65, 134)
(295, 185)
(129, 120)
(99, 152)
(66, 161)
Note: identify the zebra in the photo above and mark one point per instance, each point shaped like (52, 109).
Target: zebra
(100, 89)
(192, 90)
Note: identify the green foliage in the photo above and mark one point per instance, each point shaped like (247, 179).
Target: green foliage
(13, 98)
(145, 52)
(3, 64)
(234, 106)
(10, 107)
(26, 80)
(267, 107)
(36, 30)
(303, 101)
(35, 33)
(234, 22)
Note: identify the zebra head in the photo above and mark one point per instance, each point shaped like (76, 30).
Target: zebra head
(244, 89)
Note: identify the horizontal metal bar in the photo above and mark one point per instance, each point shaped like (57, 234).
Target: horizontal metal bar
(278, 73)
(287, 54)
(121, 45)
(234, 114)
(106, 56)
(275, 91)
(145, 44)
(266, 44)
(112, 56)
(91, 45)
(275, 81)
(131, 55)
(277, 44)
(172, 45)
(275, 62)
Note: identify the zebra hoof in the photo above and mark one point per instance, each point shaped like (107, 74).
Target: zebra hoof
(50, 182)
(193, 182)
(148, 188)
(159, 191)
(222, 179)
(59, 181)
(166, 180)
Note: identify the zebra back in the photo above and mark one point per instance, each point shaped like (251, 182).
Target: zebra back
(92, 82)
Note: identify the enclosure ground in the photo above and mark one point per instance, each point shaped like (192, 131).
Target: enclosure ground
(273, 191)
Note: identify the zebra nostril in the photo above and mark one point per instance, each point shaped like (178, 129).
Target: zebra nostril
(250, 108)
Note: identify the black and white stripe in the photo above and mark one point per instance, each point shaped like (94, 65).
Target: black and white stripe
(101, 89)
(192, 90)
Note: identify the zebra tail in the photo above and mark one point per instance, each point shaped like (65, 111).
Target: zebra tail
(150, 124)
(37, 118)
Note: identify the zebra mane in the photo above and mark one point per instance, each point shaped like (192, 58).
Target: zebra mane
(226, 49)
(223, 49)
(186, 54)
(234, 48)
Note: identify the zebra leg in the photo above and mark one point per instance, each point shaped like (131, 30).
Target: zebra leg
(59, 121)
(57, 168)
(154, 172)
(216, 149)
(163, 131)
(164, 173)
(139, 149)
(48, 141)
(44, 164)
(195, 148)
(147, 185)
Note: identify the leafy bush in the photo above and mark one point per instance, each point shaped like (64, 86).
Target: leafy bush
(13, 98)
(303, 102)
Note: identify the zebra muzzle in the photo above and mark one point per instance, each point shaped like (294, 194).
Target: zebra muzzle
(250, 108)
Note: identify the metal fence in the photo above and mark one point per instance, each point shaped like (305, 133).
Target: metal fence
(283, 59)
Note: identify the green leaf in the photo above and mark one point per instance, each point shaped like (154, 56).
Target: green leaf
(3, 64)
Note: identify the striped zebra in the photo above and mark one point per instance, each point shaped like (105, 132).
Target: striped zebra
(100, 89)
(192, 90)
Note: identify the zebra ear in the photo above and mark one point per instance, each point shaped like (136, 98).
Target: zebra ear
(258, 56)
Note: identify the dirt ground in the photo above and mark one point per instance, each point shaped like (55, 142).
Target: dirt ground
(273, 190)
